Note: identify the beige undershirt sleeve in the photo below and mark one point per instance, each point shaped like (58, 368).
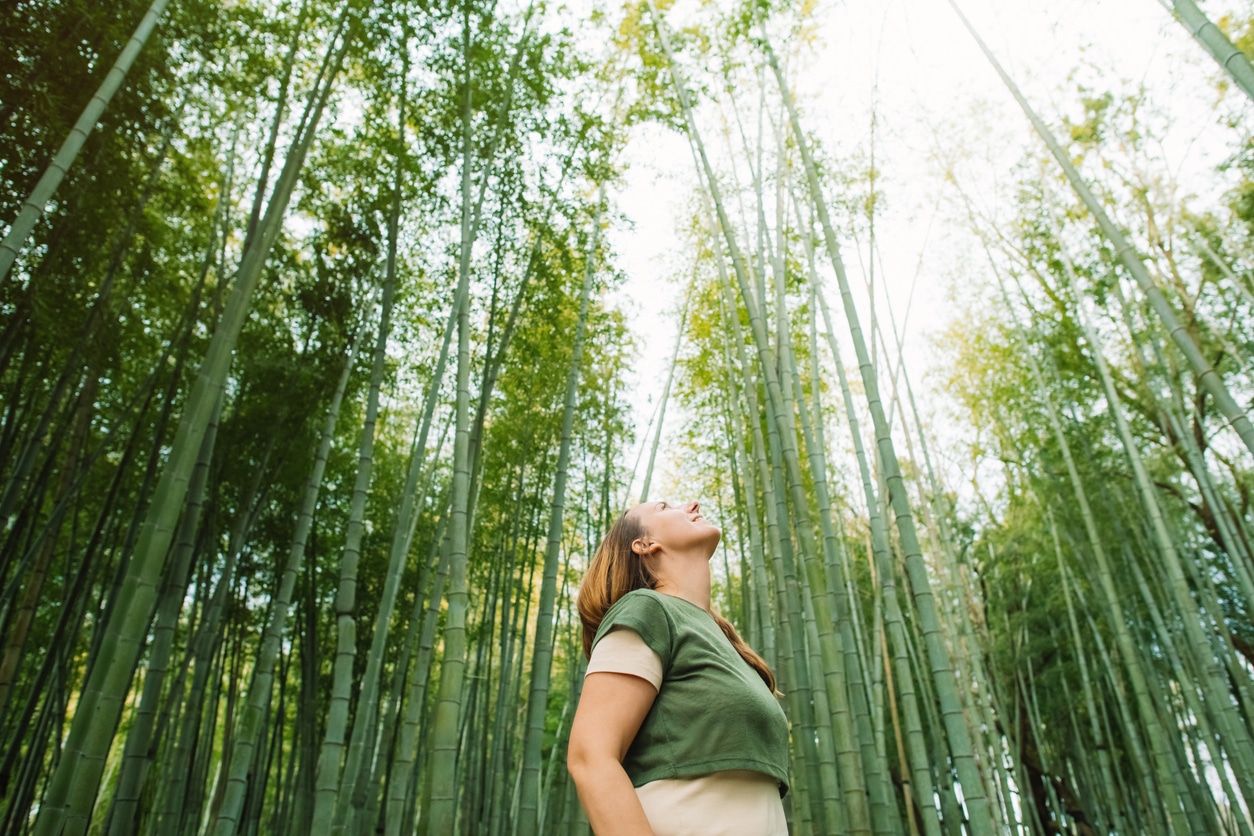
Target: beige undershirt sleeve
(621, 650)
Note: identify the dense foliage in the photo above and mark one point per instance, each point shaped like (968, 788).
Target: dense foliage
(315, 405)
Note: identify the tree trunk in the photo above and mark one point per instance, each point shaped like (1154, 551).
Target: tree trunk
(37, 201)
(542, 654)
(1130, 259)
(72, 789)
(439, 809)
(1215, 42)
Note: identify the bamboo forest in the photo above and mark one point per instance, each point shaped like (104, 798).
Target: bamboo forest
(335, 335)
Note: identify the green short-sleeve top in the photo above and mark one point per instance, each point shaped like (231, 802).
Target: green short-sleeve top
(712, 712)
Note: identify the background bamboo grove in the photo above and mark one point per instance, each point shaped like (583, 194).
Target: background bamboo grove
(314, 401)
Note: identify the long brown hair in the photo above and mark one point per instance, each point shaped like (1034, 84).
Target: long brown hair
(616, 570)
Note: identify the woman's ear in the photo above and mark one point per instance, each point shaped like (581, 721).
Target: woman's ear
(640, 547)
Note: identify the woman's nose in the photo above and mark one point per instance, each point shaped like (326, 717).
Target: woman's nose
(693, 507)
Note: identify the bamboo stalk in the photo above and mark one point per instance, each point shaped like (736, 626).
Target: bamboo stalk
(1129, 258)
(528, 822)
(72, 789)
(37, 201)
(958, 735)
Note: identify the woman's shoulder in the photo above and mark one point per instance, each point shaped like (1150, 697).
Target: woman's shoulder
(637, 601)
(654, 602)
(642, 611)
(642, 593)
(672, 604)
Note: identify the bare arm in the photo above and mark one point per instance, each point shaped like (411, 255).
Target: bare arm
(611, 709)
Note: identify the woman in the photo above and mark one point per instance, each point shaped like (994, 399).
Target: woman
(678, 730)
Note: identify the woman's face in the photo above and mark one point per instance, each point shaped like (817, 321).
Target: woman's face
(677, 527)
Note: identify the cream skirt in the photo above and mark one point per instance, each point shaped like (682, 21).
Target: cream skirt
(732, 803)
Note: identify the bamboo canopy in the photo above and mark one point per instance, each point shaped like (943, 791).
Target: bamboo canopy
(330, 335)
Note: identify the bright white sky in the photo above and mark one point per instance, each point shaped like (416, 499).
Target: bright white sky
(936, 91)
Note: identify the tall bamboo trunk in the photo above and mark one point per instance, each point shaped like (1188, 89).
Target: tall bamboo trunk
(528, 821)
(959, 737)
(893, 623)
(368, 693)
(782, 438)
(331, 755)
(1230, 726)
(1216, 43)
(1162, 759)
(48, 681)
(71, 792)
(136, 756)
(400, 791)
(257, 698)
(439, 809)
(1129, 258)
(69, 481)
(34, 205)
(756, 559)
(884, 816)
(666, 395)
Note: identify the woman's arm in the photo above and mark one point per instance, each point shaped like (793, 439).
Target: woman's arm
(611, 709)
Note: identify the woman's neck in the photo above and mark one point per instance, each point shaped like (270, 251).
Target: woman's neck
(687, 579)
